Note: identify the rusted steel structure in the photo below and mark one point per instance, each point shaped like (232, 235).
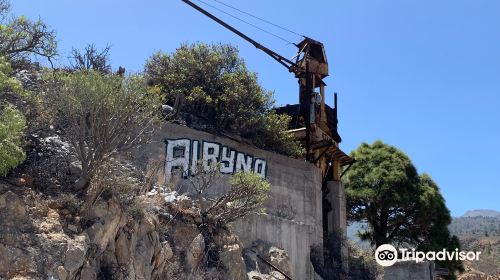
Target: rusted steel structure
(316, 122)
(313, 122)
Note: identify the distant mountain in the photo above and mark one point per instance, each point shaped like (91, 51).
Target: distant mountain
(482, 213)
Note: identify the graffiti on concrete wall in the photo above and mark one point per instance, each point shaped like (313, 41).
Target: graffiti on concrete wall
(184, 154)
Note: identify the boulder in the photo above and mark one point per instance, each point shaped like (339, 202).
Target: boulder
(195, 251)
(231, 257)
(184, 201)
(109, 218)
(261, 250)
(75, 255)
(11, 205)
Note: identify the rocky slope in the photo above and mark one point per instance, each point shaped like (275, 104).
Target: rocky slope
(48, 232)
(479, 231)
(47, 237)
(471, 274)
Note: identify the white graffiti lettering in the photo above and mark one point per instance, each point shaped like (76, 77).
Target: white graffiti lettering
(227, 160)
(184, 154)
(243, 162)
(178, 156)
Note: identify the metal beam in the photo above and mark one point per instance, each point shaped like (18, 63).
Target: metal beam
(290, 65)
(272, 265)
(324, 151)
(349, 166)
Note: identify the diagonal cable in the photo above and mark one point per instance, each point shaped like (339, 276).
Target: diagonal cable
(259, 18)
(251, 24)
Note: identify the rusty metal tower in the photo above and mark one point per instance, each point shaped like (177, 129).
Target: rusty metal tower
(316, 124)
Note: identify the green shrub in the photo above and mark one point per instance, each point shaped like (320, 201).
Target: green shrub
(102, 115)
(7, 83)
(20, 37)
(272, 135)
(12, 123)
(217, 87)
(247, 194)
(12, 126)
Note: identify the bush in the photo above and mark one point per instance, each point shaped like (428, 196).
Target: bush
(102, 115)
(271, 135)
(12, 126)
(119, 179)
(362, 265)
(217, 88)
(12, 123)
(91, 58)
(246, 195)
(7, 83)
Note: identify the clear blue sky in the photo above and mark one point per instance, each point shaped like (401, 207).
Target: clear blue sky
(421, 75)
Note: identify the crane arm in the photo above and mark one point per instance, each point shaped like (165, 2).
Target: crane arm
(290, 65)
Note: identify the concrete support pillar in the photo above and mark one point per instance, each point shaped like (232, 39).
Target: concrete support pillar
(337, 219)
(337, 226)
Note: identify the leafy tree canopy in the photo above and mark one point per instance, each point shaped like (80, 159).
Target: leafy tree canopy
(102, 115)
(21, 37)
(382, 188)
(12, 126)
(434, 212)
(400, 206)
(12, 123)
(218, 88)
(7, 82)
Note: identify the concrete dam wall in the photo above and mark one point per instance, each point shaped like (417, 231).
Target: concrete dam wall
(293, 218)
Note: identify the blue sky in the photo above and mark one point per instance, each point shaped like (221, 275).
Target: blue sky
(421, 75)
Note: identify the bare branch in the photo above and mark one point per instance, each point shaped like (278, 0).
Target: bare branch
(20, 37)
(246, 195)
(91, 59)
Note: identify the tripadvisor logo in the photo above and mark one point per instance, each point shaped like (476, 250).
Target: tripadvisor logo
(387, 255)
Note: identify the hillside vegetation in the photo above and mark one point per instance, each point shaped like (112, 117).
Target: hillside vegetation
(480, 233)
(478, 226)
(73, 202)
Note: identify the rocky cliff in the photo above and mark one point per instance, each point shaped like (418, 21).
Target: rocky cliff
(48, 231)
(46, 236)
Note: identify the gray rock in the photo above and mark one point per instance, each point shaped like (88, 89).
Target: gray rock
(62, 273)
(13, 205)
(276, 256)
(109, 217)
(184, 201)
(231, 257)
(195, 252)
(73, 228)
(75, 254)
